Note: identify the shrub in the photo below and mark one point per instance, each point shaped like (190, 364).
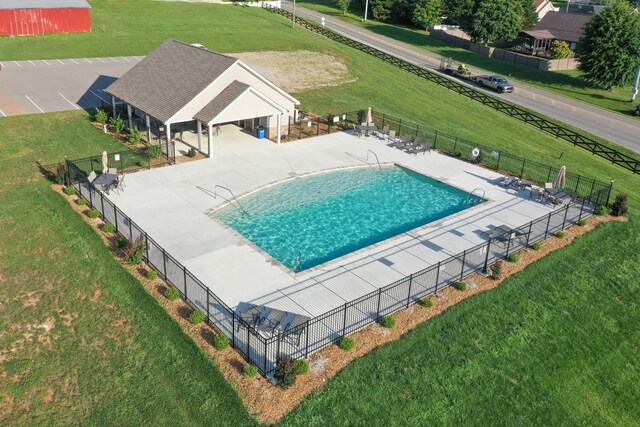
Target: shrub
(461, 286)
(458, 153)
(620, 207)
(101, 116)
(560, 50)
(196, 317)
(154, 151)
(560, 234)
(302, 366)
(171, 294)
(513, 258)
(116, 125)
(221, 341)
(192, 152)
(134, 135)
(121, 241)
(285, 374)
(108, 228)
(601, 210)
(70, 191)
(143, 163)
(250, 370)
(536, 246)
(388, 322)
(94, 213)
(82, 201)
(426, 302)
(347, 344)
(582, 222)
(495, 270)
(134, 254)
(152, 274)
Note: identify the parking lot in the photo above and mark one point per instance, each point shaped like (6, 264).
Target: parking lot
(43, 86)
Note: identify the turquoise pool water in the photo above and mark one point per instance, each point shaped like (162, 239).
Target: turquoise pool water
(308, 221)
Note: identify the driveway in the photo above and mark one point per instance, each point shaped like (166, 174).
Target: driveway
(43, 86)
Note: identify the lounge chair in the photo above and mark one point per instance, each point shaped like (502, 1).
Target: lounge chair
(406, 140)
(391, 136)
(251, 316)
(416, 142)
(422, 148)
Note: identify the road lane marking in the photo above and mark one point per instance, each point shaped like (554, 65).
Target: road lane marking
(99, 59)
(60, 61)
(113, 59)
(17, 64)
(31, 100)
(125, 59)
(74, 61)
(32, 63)
(45, 62)
(3, 114)
(101, 98)
(65, 98)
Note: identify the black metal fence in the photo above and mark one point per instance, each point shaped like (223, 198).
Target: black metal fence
(329, 327)
(308, 125)
(614, 156)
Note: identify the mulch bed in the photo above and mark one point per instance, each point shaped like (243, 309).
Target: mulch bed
(271, 403)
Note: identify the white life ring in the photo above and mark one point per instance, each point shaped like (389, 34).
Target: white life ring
(475, 152)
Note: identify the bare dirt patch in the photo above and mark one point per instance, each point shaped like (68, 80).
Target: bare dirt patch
(299, 70)
(271, 403)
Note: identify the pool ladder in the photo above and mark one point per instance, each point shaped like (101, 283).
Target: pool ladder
(376, 156)
(235, 199)
(298, 263)
(468, 199)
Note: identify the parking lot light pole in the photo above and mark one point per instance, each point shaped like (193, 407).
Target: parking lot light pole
(293, 18)
(635, 86)
(366, 9)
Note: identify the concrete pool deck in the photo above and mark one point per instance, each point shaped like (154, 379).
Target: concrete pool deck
(171, 205)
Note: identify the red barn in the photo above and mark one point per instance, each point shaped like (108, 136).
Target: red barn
(30, 17)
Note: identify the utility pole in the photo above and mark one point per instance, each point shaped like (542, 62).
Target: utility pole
(635, 86)
(568, 3)
(293, 19)
(366, 9)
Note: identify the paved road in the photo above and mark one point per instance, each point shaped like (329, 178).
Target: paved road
(43, 86)
(614, 127)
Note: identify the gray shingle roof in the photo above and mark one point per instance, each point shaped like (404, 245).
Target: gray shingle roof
(564, 26)
(169, 78)
(44, 4)
(222, 101)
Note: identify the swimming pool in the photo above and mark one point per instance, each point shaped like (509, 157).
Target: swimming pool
(308, 221)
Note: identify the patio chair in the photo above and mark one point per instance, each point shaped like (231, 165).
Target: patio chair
(119, 184)
(391, 136)
(383, 132)
(548, 185)
(504, 233)
(251, 316)
(113, 171)
(504, 181)
(536, 194)
(416, 142)
(293, 330)
(92, 176)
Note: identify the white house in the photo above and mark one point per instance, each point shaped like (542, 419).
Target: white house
(544, 6)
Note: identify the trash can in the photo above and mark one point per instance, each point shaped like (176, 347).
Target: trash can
(260, 132)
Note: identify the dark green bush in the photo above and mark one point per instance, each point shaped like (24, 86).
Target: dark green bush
(221, 341)
(152, 274)
(134, 135)
(302, 366)
(116, 125)
(70, 191)
(285, 374)
(121, 241)
(94, 213)
(250, 370)
(461, 286)
(108, 228)
(458, 153)
(426, 302)
(582, 222)
(81, 201)
(560, 234)
(388, 322)
(192, 152)
(172, 294)
(197, 317)
(143, 163)
(536, 246)
(134, 254)
(59, 173)
(513, 258)
(619, 207)
(601, 210)
(154, 151)
(347, 344)
(495, 270)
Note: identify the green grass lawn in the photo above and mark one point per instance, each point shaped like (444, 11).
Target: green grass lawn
(551, 342)
(568, 83)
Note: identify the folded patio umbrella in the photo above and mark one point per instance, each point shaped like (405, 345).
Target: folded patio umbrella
(559, 182)
(369, 118)
(105, 162)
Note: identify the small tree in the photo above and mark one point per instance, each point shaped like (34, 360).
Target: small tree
(560, 50)
(609, 50)
(342, 5)
(134, 135)
(286, 372)
(101, 116)
(494, 20)
(529, 14)
(427, 13)
(116, 125)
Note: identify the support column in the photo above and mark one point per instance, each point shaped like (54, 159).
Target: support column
(113, 106)
(148, 120)
(168, 129)
(129, 116)
(199, 135)
(210, 140)
(279, 130)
